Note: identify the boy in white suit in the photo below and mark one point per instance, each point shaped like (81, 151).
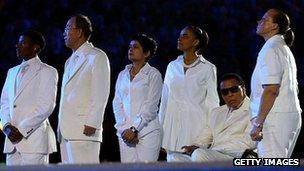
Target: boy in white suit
(226, 135)
(27, 100)
(84, 95)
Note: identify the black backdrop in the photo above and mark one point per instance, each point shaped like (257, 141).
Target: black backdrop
(231, 26)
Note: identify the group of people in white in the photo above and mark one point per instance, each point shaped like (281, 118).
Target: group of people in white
(180, 115)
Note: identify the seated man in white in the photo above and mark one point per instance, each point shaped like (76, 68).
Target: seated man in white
(226, 135)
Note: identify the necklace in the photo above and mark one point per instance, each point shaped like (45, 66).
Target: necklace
(133, 72)
(191, 65)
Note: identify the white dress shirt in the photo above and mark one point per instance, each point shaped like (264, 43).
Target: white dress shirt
(275, 65)
(187, 98)
(22, 70)
(136, 102)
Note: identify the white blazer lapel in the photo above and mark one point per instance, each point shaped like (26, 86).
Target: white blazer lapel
(13, 77)
(12, 85)
(236, 118)
(65, 74)
(238, 114)
(78, 65)
(231, 120)
(30, 74)
(221, 118)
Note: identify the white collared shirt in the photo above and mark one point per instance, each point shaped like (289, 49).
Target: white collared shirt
(74, 58)
(24, 67)
(136, 102)
(275, 65)
(72, 64)
(187, 98)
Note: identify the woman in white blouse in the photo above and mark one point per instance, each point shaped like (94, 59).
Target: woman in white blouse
(135, 105)
(189, 92)
(275, 106)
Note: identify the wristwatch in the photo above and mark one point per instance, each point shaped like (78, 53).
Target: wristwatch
(133, 129)
(260, 125)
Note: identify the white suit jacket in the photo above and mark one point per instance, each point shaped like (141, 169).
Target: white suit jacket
(228, 132)
(187, 99)
(136, 102)
(84, 94)
(28, 109)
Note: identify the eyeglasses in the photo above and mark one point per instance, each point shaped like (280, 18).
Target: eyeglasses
(233, 89)
(69, 28)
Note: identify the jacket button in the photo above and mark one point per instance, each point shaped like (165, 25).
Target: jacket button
(15, 106)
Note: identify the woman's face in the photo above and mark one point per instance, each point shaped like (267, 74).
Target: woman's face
(266, 26)
(136, 53)
(187, 40)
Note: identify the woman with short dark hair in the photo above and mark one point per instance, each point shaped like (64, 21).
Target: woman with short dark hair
(135, 105)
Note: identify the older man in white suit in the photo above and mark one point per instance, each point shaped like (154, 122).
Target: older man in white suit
(27, 100)
(84, 95)
(226, 135)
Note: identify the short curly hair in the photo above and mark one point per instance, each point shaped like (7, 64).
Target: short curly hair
(36, 38)
(148, 44)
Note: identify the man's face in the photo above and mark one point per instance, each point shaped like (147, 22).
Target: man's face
(232, 93)
(71, 33)
(25, 49)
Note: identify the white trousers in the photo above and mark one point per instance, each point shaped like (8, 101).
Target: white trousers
(280, 133)
(17, 158)
(198, 155)
(147, 149)
(177, 157)
(79, 152)
(204, 155)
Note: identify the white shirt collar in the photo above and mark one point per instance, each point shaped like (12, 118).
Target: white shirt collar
(243, 107)
(143, 69)
(82, 49)
(30, 61)
(274, 39)
(201, 58)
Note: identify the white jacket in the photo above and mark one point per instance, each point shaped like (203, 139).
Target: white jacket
(28, 109)
(228, 132)
(84, 94)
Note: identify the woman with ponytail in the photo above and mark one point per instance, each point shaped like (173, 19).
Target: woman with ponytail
(189, 92)
(275, 108)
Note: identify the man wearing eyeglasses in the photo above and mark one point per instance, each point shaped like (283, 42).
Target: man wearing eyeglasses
(226, 135)
(84, 95)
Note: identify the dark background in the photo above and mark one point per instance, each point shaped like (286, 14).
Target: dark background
(230, 24)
